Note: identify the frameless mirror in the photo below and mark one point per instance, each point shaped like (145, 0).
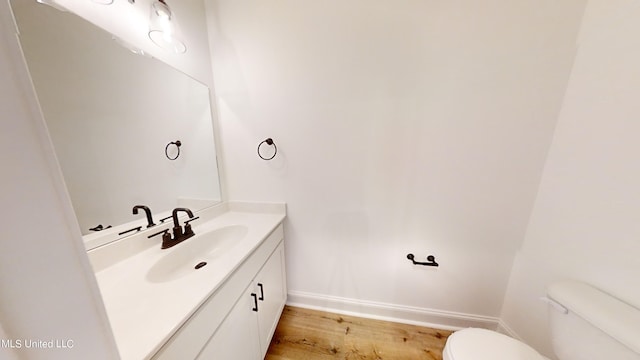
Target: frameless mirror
(114, 118)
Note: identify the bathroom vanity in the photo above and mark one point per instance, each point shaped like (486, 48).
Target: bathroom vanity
(117, 120)
(218, 294)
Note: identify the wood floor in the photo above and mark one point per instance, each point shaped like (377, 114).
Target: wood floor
(315, 335)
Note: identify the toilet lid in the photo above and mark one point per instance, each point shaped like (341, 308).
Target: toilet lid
(482, 344)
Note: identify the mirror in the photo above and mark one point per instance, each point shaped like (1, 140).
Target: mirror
(114, 118)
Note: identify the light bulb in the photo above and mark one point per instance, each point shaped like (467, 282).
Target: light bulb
(166, 27)
(162, 28)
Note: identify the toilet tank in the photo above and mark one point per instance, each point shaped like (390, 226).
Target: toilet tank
(590, 324)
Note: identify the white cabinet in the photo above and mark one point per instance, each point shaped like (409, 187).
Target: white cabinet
(246, 332)
(272, 294)
(237, 337)
(229, 325)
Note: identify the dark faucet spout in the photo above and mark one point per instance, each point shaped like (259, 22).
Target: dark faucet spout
(147, 211)
(174, 215)
(178, 234)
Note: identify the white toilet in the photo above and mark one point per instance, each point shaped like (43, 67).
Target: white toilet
(585, 324)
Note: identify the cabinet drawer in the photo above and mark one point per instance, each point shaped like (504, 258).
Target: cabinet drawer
(189, 340)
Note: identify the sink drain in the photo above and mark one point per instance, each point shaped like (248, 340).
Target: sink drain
(199, 265)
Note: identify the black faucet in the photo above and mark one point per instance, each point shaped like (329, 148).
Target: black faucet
(177, 229)
(178, 234)
(147, 211)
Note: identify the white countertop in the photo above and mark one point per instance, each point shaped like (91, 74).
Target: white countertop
(144, 314)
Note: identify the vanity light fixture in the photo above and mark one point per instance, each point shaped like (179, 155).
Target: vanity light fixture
(134, 49)
(163, 30)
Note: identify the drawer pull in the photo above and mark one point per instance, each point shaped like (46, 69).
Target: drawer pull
(261, 298)
(255, 302)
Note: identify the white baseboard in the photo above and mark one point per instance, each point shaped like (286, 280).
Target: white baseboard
(503, 328)
(437, 319)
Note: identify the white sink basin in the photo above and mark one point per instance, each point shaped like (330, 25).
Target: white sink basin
(182, 259)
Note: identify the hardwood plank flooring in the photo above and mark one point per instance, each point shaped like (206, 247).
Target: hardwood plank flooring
(304, 334)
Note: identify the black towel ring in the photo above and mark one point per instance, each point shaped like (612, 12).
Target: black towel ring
(177, 143)
(268, 141)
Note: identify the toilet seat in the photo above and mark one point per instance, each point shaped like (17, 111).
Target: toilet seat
(482, 344)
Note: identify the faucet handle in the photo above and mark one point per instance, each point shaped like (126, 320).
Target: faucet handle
(167, 241)
(187, 227)
(186, 222)
(163, 219)
(136, 229)
(163, 232)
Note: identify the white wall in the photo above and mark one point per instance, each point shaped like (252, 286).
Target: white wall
(6, 352)
(47, 289)
(411, 126)
(584, 223)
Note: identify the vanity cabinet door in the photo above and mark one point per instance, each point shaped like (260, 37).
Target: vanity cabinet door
(270, 287)
(246, 332)
(237, 336)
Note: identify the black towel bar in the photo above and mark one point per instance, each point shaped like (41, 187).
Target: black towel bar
(431, 261)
